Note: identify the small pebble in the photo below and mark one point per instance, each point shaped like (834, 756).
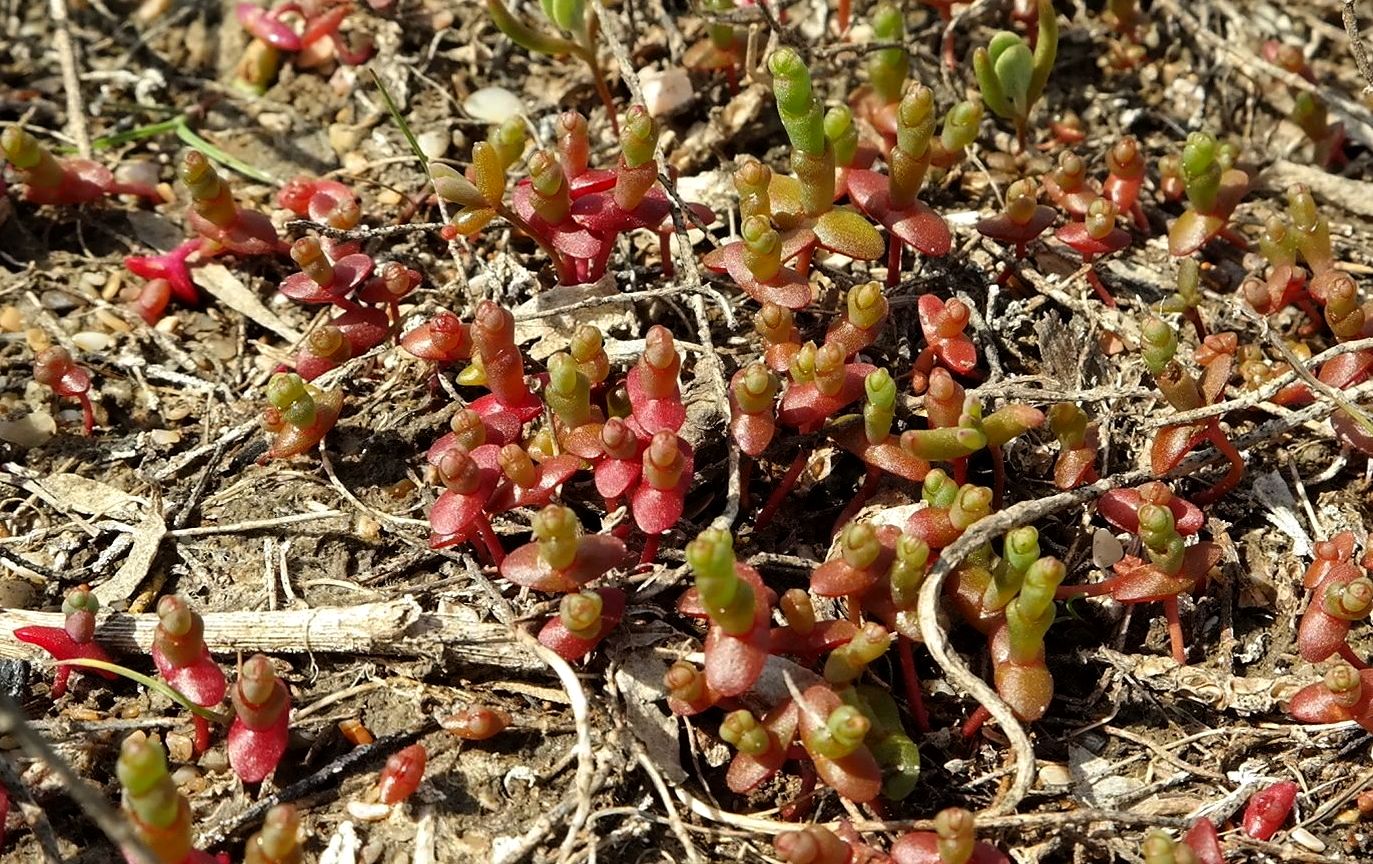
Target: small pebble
(368, 812)
(179, 747)
(1306, 840)
(493, 105)
(164, 437)
(186, 775)
(11, 319)
(168, 324)
(37, 339)
(112, 285)
(214, 760)
(388, 197)
(61, 301)
(274, 122)
(433, 143)
(344, 137)
(441, 20)
(92, 341)
(176, 412)
(354, 162)
(1054, 774)
(666, 91)
(33, 430)
(112, 322)
(367, 529)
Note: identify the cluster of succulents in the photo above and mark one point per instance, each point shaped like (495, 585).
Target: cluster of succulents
(527, 441)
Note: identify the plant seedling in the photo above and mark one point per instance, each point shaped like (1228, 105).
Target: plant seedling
(262, 707)
(74, 640)
(1012, 76)
(55, 368)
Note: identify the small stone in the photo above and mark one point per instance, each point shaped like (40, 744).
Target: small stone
(33, 430)
(1306, 840)
(177, 412)
(214, 760)
(344, 137)
(164, 437)
(168, 324)
(441, 20)
(388, 197)
(61, 301)
(274, 122)
(11, 319)
(493, 105)
(112, 285)
(354, 162)
(1055, 774)
(433, 143)
(666, 91)
(363, 811)
(179, 747)
(92, 341)
(112, 322)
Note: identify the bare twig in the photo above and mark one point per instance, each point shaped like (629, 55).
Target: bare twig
(394, 628)
(71, 78)
(365, 233)
(115, 827)
(1351, 27)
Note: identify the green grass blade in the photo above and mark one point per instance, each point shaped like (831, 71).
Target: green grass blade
(188, 136)
(152, 684)
(394, 110)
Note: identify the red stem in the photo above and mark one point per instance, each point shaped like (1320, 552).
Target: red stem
(803, 259)
(650, 549)
(893, 261)
(1170, 609)
(915, 698)
(780, 493)
(1091, 589)
(87, 414)
(1350, 657)
(489, 538)
(1097, 286)
(974, 722)
(202, 733)
(1232, 477)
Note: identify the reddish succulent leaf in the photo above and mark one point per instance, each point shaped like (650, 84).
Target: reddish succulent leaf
(202, 681)
(1346, 370)
(553, 473)
(733, 663)
(657, 510)
(1076, 202)
(590, 181)
(1268, 809)
(350, 271)
(745, 771)
(1192, 230)
(1075, 235)
(823, 638)
(1204, 841)
(1137, 582)
(784, 194)
(572, 647)
(844, 231)
(584, 441)
(788, 288)
(1320, 634)
(852, 339)
(1352, 432)
(568, 237)
(255, 753)
(1027, 688)
(1172, 444)
(615, 477)
(597, 554)
(922, 847)
(61, 646)
(82, 182)
(1120, 507)
(251, 234)
(752, 432)
(1315, 704)
(804, 407)
(837, 578)
(489, 408)
(269, 28)
(857, 776)
(1004, 229)
(294, 440)
(441, 339)
(653, 415)
(597, 212)
(917, 226)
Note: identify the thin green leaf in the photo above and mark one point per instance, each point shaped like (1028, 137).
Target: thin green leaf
(152, 684)
(233, 163)
(394, 111)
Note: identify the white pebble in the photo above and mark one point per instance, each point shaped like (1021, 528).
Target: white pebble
(666, 91)
(368, 812)
(92, 340)
(493, 105)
